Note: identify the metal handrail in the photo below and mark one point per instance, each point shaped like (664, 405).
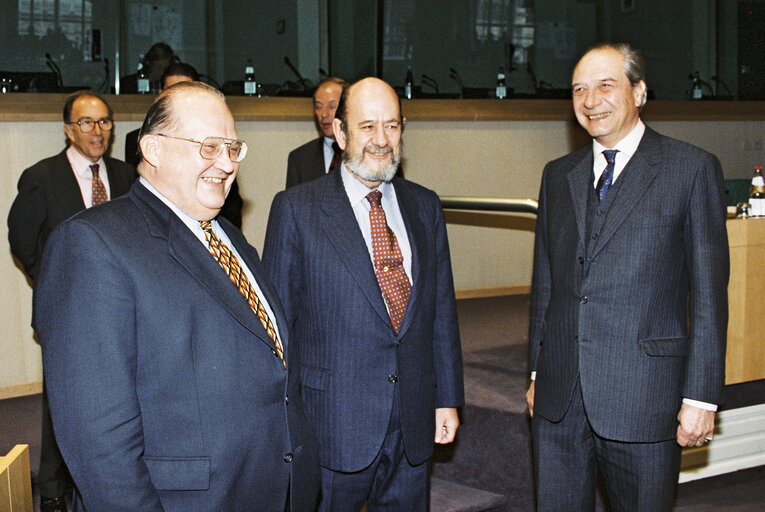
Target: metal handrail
(489, 204)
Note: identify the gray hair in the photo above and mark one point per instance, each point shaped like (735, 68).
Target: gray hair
(634, 65)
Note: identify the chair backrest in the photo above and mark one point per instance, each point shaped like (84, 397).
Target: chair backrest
(16, 481)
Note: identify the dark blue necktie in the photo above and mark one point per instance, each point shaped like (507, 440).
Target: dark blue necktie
(604, 183)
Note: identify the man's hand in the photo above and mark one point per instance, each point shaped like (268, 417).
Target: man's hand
(696, 427)
(447, 422)
(530, 398)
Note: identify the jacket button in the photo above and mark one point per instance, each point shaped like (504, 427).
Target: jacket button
(581, 260)
(583, 299)
(392, 378)
(288, 457)
(594, 236)
(286, 399)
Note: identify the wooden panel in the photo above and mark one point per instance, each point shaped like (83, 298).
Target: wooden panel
(745, 358)
(132, 107)
(16, 481)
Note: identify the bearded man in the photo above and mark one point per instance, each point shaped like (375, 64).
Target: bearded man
(360, 259)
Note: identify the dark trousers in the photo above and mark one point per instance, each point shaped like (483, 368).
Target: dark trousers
(52, 477)
(389, 484)
(638, 477)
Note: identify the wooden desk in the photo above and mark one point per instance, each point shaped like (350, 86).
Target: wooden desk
(15, 481)
(745, 358)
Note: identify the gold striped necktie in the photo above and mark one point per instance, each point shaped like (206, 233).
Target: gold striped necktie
(228, 262)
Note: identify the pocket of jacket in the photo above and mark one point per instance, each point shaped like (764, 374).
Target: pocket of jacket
(314, 377)
(179, 473)
(676, 347)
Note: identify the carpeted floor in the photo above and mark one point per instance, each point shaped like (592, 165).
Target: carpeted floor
(489, 467)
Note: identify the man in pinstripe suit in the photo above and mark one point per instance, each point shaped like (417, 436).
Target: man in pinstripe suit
(629, 301)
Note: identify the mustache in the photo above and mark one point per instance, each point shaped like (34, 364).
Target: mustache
(377, 150)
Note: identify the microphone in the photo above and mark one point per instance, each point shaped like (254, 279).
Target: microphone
(431, 82)
(302, 83)
(52, 65)
(456, 77)
(293, 68)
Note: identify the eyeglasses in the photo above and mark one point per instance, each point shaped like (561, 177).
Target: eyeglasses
(86, 125)
(211, 147)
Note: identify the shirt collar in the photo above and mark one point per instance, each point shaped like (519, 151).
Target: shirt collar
(192, 223)
(81, 165)
(626, 147)
(356, 190)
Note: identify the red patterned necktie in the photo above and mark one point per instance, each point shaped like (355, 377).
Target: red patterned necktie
(98, 192)
(389, 263)
(336, 157)
(228, 262)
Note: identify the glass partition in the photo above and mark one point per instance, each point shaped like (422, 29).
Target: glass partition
(713, 49)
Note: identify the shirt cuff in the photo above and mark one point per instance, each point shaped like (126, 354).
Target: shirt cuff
(534, 375)
(701, 405)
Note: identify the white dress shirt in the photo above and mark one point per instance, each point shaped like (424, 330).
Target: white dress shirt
(357, 193)
(83, 173)
(625, 147)
(329, 152)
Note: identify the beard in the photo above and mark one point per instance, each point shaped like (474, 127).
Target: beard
(358, 167)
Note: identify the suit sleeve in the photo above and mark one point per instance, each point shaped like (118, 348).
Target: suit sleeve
(447, 349)
(282, 256)
(706, 247)
(540, 281)
(85, 307)
(26, 221)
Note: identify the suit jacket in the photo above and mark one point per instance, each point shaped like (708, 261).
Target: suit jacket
(351, 359)
(48, 195)
(611, 307)
(306, 163)
(165, 390)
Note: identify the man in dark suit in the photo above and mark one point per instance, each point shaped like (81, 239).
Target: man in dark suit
(166, 351)
(174, 73)
(361, 262)
(629, 301)
(314, 159)
(50, 192)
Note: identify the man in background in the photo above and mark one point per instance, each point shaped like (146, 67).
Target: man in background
(175, 73)
(316, 158)
(50, 192)
(629, 301)
(155, 62)
(361, 261)
(167, 354)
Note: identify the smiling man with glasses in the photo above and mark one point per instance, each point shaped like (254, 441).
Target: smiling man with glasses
(49, 192)
(187, 396)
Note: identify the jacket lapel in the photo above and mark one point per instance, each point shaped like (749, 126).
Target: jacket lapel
(192, 255)
(250, 258)
(579, 181)
(416, 232)
(69, 195)
(640, 171)
(340, 226)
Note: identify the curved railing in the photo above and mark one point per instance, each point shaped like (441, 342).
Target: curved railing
(489, 204)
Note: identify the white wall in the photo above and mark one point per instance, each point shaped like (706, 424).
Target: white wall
(489, 159)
